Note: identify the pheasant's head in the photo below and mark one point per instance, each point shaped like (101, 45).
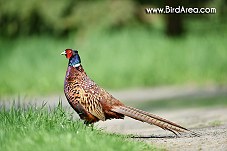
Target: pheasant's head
(73, 56)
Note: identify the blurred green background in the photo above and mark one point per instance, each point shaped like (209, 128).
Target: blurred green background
(120, 45)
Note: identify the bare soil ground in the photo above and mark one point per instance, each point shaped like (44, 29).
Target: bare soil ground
(210, 123)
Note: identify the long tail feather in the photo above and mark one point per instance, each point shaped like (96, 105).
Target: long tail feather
(150, 119)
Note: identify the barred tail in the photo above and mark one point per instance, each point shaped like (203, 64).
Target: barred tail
(149, 118)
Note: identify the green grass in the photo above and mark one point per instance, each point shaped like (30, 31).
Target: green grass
(133, 57)
(25, 129)
(215, 123)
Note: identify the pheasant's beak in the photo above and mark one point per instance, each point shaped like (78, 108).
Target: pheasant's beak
(63, 53)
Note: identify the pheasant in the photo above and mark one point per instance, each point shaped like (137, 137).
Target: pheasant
(93, 103)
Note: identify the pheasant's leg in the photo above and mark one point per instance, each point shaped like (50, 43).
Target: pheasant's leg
(92, 126)
(87, 123)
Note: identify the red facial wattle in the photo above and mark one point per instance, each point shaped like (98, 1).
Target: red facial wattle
(69, 53)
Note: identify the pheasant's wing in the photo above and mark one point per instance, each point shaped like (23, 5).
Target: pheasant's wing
(91, 104)
(90, 98)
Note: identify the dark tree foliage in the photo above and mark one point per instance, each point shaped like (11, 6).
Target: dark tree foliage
(59, 18)
(174, 22)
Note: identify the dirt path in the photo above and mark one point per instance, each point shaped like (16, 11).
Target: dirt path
(133, 95)
(211, 123)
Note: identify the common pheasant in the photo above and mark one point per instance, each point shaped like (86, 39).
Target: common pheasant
(93, 103)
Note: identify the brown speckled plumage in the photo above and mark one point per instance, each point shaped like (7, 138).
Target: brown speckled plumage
(93, 103)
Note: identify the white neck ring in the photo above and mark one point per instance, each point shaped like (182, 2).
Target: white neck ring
(76, 65)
